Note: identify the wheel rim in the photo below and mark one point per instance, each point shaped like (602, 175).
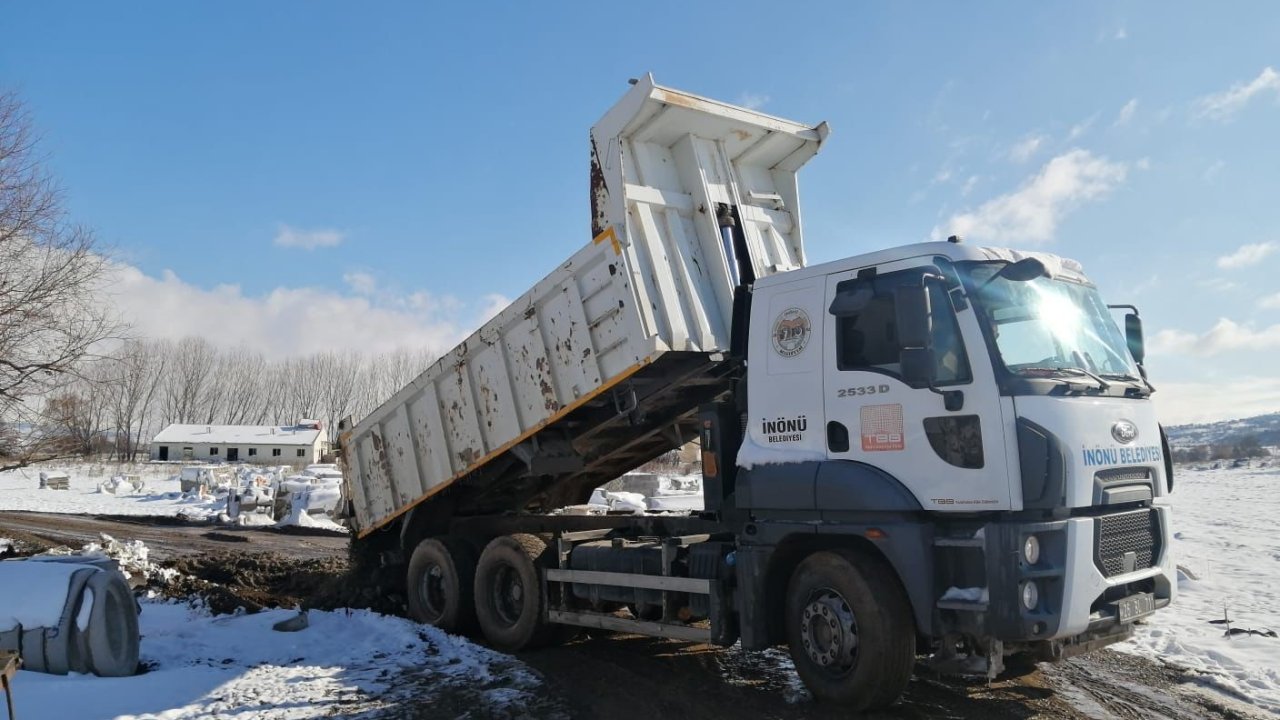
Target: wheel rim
(508, 595)
(432, 592)
(829, 632)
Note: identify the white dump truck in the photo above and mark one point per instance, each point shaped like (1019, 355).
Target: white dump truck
(936, 449)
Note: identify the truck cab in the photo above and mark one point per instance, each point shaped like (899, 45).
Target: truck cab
(974, 420)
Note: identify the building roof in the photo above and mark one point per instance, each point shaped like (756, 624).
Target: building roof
(237, 435)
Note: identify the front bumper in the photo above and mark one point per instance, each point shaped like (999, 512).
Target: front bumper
(1094, 575)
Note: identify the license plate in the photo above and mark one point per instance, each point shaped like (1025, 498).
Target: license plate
(1135, 606)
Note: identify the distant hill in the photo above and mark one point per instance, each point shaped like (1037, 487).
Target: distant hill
(1265, 427)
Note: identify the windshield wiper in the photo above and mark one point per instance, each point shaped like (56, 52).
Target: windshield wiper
(1102, 384)
(1138, 382)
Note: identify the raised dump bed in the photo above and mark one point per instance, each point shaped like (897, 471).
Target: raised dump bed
(602, 364)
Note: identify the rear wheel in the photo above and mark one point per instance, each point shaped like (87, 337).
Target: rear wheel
(508, 593)
(850, 630)
(441, 579)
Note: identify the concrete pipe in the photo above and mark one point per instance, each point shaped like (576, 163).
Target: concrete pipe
(65, 617)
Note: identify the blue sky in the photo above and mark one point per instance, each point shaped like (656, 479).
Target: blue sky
(296, 175)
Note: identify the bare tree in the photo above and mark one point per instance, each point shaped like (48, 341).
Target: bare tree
(136, 371)
(384, 375)
(192, 381)
(191, 362)
(51, 273)
(244, 373)
(76, 416)
(339, 375)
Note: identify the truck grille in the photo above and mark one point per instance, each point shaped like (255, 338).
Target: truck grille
(1127, 542)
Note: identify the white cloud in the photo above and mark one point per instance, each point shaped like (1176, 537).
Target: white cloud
(753, 101)
(1082, 127)
(1031, 214)
(1246, 255)
(1189, 402)
(490, 305)
(1211, 173)
(1026, 148)
(1126, 113)
(1224, 105)
(1226, 335)
(1121, 34)
(291, 237)
(1270, 302)
(969, 185)
(290, 321)
(943, 175)
(361, 283)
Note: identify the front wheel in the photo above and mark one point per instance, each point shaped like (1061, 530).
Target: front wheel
(850, 630)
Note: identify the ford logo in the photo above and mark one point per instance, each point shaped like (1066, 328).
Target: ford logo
(1124, 432)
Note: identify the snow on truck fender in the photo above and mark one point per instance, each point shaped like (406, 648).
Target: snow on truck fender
(657, 279)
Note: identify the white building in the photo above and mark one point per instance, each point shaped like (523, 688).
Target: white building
(303, 443)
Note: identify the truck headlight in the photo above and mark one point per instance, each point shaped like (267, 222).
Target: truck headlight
(1031, 549)
(1030, 595)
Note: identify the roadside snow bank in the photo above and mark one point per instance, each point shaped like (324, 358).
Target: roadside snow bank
(132, 557)
(299, 517)
(343, 664)
(1226, 544)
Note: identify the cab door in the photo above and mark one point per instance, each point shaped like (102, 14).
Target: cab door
(945, 443)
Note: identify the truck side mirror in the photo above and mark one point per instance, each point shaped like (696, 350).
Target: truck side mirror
(917, 366)
(1133, 337)
(913, 316)
(915, 329)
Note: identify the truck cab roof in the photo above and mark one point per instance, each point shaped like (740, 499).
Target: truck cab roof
(956, 252)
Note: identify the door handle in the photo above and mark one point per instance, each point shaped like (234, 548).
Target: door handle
(837, 437)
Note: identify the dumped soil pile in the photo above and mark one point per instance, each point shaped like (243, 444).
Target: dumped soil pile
(22, 544)
(254, 581)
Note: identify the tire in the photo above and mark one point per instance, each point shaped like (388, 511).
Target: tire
(850, 630)
(508, 593)
(441, 581)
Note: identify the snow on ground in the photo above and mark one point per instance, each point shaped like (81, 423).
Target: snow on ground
(1225, 536)
(298, 517)
(20, 490)
(345, 663)
(97, 489)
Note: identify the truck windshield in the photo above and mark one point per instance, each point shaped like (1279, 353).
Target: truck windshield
(1046, 327)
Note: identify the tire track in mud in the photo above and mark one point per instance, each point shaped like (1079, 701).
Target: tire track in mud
(1113, 685)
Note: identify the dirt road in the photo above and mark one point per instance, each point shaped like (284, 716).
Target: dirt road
(627, 677)
(171, 538)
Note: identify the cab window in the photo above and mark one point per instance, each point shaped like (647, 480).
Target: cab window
(866, 328)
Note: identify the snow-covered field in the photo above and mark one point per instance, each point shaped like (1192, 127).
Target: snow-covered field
(161, 495)
(20, 490)
(1226, 536)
